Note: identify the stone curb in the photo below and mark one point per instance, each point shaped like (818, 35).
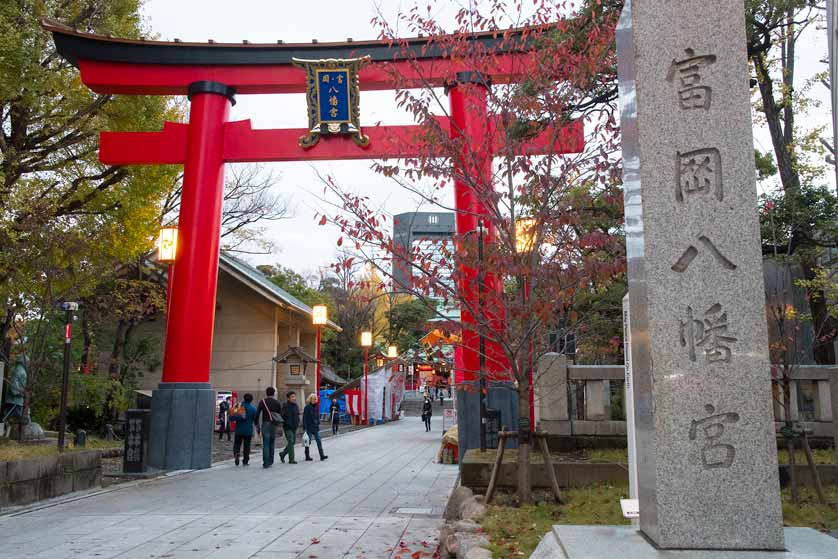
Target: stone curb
(461, 536)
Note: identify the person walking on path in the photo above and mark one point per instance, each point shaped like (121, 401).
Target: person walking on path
(245, 417)
(268, 414)
(427, 411)
(311, 425)
(334, 414)
(224, 418)
(291, 419)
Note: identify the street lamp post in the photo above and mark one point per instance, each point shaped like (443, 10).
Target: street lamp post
(319, 317)
(68, 309)
(482, 356)
(366, 343)
(524, 244)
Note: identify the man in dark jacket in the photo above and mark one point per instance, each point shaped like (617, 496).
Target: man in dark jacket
(268, 406)
(291, 418)
(334, 414)
(311, 425)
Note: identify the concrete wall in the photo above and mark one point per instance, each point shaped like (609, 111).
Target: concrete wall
(557, 379)
(26, 481)
(244, 339)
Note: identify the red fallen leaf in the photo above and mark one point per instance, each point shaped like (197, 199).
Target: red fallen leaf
(402, 544)
(424, 543)
(315, 540)
(416, 555)
(323, 220)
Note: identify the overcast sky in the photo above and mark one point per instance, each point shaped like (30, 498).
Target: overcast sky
(300, 243)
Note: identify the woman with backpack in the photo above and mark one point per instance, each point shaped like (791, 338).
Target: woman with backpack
(245, 417)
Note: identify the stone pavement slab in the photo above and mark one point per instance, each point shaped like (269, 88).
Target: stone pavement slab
(344, 507)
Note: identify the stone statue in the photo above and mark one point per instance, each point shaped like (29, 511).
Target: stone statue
(15, 391)
(22, 427)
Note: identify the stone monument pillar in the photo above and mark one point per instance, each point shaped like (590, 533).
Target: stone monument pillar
(706, 450)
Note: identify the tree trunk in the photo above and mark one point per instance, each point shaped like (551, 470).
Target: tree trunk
(118, 347)
(524, 438)
(126, 340)
(5, 339)
(780, 120)
(823, 325)
(87, 336)
(789, 177)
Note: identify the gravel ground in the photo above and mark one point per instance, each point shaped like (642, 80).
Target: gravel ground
(221, 450)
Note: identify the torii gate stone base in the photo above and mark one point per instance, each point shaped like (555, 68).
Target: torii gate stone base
(212, 74)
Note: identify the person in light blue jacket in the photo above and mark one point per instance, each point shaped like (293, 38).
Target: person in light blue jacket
(244, 429)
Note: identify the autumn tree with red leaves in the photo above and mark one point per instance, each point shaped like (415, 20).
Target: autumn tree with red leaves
(571, 203)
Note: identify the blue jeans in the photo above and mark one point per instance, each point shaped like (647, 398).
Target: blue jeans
(268, 444)
(315, 437)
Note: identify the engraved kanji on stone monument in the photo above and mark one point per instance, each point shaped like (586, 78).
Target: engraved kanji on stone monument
(691, 93)
(709, 474)
(134, 440)
(699, 172)
(714, 454)
(709, 333)
(691, 252)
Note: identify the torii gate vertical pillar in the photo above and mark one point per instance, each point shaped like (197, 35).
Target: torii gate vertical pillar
(183, 406)
(473, 173)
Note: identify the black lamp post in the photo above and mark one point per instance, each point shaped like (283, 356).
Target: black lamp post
(68, 309)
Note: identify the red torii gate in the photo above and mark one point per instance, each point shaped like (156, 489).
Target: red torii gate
(211, 74)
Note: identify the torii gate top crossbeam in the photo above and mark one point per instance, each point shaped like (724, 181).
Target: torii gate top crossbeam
(130, 66)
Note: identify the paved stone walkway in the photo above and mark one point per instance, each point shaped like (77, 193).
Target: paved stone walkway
(379, 495)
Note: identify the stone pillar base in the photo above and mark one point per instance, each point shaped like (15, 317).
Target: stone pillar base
(601, 542)
(501, 398)
(182, 421)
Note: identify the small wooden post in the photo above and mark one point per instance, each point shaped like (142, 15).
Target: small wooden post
(548, 461)
(812, 466)
(490, 491)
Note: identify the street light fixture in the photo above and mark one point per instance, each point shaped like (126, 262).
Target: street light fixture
(167, 245)
(392, 352)
(524, 235)
(166, 254)
(366, 343)
(319, 317)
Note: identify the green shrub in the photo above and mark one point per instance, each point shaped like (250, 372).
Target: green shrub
(84, 417)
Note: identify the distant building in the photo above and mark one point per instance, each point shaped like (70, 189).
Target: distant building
(429, 233)
(419, 229)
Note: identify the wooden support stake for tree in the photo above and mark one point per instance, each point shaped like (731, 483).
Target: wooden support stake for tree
(790, 449)
(548, 461)
(490, 491)
(804, 440)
